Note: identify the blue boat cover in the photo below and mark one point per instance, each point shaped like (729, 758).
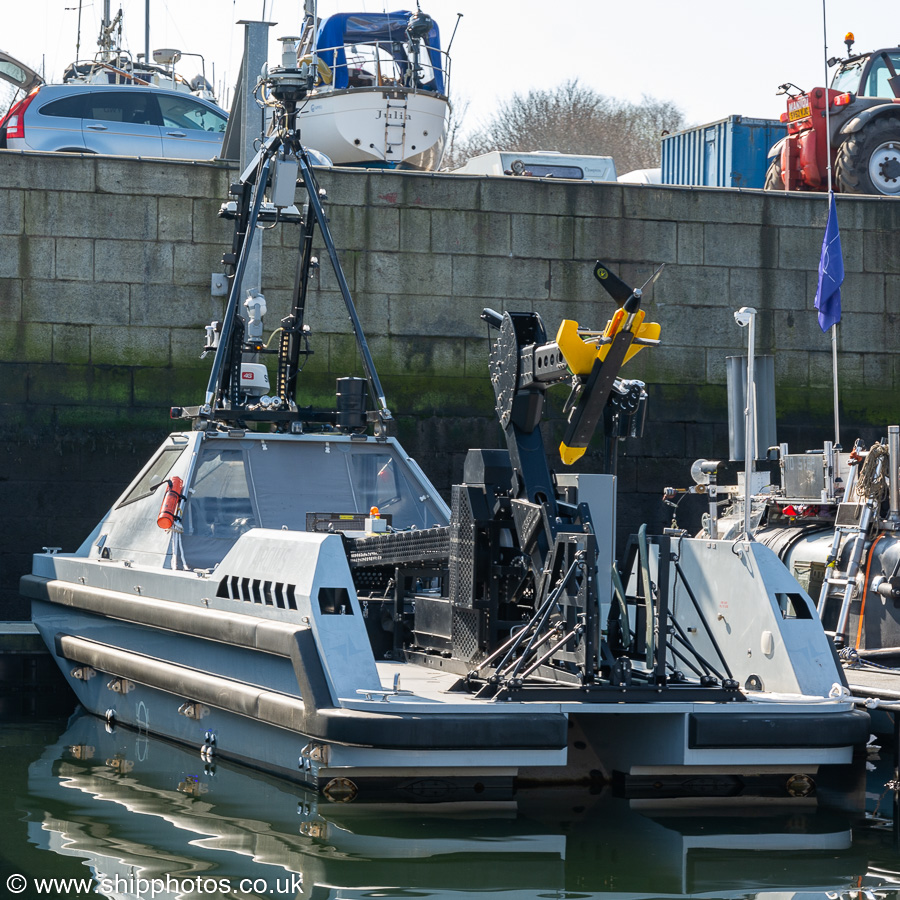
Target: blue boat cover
(388, 30)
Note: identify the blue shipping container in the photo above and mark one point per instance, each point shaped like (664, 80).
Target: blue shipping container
(729, 153)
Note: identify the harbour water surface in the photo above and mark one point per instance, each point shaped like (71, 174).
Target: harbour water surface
(88, 810)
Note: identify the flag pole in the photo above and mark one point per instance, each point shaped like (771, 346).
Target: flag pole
(827, 102)
(834, 369)
(834, 365)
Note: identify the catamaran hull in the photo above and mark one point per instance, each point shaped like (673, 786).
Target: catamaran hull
(248, 689)
(359, 126)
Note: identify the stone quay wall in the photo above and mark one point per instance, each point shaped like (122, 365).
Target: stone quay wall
(105, 269)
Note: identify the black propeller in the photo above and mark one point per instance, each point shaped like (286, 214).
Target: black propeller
(614, 286)
(618, 290)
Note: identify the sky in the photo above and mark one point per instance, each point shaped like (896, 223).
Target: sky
(711, 58)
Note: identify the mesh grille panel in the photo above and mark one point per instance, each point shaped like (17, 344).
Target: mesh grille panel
(462, 549)
(465, 633)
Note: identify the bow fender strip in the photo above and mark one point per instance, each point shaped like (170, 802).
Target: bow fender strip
(396, 731)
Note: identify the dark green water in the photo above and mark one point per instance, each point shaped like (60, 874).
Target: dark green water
(123, 815)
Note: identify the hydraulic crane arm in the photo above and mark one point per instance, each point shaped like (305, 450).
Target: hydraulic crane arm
(524, 364)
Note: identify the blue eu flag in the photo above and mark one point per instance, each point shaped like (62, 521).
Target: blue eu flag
(831, 273)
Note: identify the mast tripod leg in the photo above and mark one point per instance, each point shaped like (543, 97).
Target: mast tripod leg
(315, 205)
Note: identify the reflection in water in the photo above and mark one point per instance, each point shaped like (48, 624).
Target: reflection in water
(145, 818)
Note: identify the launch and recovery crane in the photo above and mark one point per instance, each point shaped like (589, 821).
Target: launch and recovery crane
(511, 594)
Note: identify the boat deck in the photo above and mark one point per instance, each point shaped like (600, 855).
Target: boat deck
(423, 686)
(880, 683)
(425, 683)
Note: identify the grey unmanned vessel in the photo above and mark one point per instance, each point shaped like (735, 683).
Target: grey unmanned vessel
(243, 597)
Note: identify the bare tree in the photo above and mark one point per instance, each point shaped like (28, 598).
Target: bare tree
(458, 110)
(573, 118)
(8, 94)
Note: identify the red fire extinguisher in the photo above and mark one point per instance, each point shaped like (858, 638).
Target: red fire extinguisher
(170, 501)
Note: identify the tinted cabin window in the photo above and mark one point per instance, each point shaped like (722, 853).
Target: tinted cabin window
(344, 477)
(220, 505)
(160, 469)
(375, 480)
(379, 479)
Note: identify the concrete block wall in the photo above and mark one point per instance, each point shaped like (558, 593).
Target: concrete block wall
(105, 269)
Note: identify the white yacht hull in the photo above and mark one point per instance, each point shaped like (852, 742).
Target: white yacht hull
(399, 128)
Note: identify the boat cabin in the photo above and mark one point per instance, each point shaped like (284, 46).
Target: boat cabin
(369, 50)
(231, 484)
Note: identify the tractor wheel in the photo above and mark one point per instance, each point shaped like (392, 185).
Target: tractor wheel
(773, 180)
(868, 161)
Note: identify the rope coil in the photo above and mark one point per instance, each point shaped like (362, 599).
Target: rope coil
(872, 479)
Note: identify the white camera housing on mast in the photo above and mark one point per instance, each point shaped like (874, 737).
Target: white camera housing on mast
(255, 304)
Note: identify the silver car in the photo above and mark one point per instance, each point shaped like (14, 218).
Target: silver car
(121, 120)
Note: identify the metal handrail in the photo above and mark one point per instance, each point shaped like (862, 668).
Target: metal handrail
(329, 56)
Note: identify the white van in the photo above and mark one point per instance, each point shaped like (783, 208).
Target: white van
(541, 164)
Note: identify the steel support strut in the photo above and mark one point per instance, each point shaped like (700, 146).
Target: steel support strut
(315, 205)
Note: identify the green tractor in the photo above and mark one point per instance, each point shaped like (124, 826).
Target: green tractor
(863, 117)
